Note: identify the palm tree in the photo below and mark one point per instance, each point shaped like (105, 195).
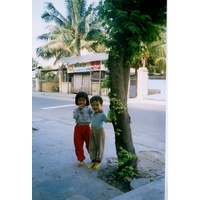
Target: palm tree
(158, 49)
(71, 34)
(34, 63)
(152, 54)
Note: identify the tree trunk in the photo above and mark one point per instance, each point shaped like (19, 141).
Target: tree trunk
(120, 77)
(136, 76)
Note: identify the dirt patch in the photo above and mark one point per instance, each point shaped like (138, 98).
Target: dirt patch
(153, 172)
(110, 176)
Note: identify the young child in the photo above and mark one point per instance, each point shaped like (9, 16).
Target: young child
(97, 136)
(82, 115)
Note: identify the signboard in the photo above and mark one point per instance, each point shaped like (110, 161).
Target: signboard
(95, 66)
(79, 67)
(85, 67)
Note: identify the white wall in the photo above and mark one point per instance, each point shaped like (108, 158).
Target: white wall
(158, 84)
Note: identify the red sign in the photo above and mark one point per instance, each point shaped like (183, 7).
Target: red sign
(95, 65)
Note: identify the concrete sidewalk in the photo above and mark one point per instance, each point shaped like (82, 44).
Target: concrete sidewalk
(55, 174)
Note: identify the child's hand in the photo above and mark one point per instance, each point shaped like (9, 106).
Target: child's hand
(80, 107)
(100, 111)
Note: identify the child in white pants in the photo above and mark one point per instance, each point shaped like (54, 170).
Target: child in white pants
(97, 136)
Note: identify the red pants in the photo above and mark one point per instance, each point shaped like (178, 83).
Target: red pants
(81, 135)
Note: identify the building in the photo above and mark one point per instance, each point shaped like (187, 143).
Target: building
(84, 73)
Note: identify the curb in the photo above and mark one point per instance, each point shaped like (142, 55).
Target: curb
(151, 191)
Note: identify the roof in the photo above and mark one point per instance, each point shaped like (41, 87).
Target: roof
(49, 70)
(84, 58)
(38, 67)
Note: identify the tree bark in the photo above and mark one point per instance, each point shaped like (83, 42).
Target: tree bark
(120, 77)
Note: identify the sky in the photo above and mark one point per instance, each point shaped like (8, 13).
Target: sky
(38, 25)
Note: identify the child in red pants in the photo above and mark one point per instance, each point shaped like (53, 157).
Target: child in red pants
(82, 115)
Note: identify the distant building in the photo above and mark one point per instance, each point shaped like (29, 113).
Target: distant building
(85, 73)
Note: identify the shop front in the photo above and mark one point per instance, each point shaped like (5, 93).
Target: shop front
(85, 73)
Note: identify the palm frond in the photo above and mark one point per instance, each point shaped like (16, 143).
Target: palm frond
(69, 35)
(53, 15)
(160, 61)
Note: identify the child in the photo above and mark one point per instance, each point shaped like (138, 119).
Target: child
(97, 136)
(82, 115)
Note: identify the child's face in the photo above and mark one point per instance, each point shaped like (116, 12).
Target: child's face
(96, 106)
(81, 102)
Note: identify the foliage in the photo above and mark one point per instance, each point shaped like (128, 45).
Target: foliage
(112, 116)
(106, 82)
(118, 132)
(117, 108)
(49, 76)
(130, 26)
(127, 171)
(124, 156)
(34, 63)
(155, 55)
(157, 50)
(117, 105)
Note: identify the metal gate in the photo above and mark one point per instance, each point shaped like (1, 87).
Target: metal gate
(133, 87)
(81, 82)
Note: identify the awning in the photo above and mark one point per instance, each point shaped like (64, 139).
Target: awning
(84, 58)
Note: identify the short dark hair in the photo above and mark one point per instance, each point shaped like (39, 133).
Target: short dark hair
(96, 98)
(82, 95)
